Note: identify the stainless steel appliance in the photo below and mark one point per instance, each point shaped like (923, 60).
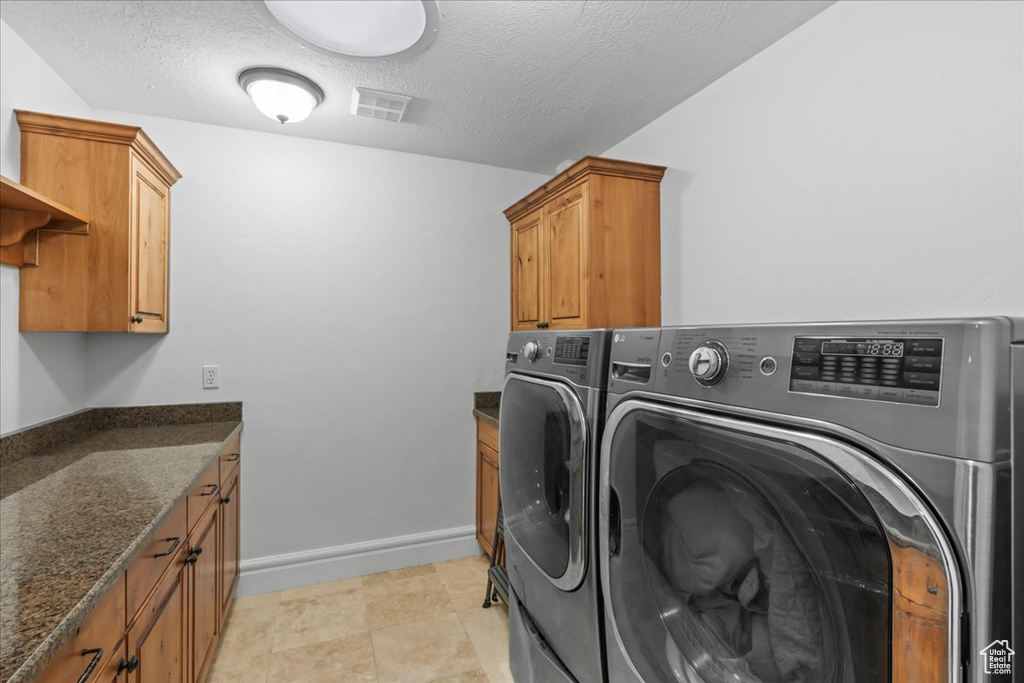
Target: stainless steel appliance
(819, 503)
(551, 407)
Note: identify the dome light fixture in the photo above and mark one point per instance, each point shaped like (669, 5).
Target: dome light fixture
(281, 95)
(367, 30)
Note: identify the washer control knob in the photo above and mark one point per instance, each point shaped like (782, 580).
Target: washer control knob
(531, 350)
(705, 362)
(709, 363)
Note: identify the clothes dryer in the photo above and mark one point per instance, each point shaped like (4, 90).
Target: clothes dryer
(828, 503)
(551, 412)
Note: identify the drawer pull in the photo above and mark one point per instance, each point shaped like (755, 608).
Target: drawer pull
(225, 501)
(97, 655)
(122, 665)
(174, 544)
(212, 490)
(192, 558)
(133, 664)
(232, 457)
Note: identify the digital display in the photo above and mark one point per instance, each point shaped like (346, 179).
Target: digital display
(892, 349)
(903, 370)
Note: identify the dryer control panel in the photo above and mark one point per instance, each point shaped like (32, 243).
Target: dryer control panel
(907, 370)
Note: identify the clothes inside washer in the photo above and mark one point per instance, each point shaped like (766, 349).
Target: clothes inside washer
(731, 572)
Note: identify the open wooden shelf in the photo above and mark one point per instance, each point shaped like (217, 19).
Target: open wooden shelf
(23, 214)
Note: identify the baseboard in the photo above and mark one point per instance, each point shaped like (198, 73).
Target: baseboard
(308, 567)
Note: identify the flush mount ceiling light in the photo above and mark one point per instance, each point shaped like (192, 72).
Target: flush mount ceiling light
(282, 95)
(358, 29)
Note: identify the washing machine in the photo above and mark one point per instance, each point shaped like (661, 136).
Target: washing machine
(551, 411)
(817, 503)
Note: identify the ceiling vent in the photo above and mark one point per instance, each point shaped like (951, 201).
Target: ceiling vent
(375, 104)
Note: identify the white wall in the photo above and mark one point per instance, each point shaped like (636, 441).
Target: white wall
(868, 165)
(42, 376)
(354, 299)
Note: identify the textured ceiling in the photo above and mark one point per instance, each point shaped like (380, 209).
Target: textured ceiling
(518, 84)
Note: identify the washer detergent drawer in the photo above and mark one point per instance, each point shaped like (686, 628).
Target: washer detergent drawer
(531, 659)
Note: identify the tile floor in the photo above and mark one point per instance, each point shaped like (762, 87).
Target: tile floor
(418, 625)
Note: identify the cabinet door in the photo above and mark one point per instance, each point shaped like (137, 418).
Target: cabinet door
(205, 601)
(486, 496)
(526, 272)
(158, 640)
(565, 259)
(150, 234)
(115, 670)
(229, 516)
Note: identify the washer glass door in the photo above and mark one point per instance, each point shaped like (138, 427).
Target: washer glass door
(543, 475)
(730, 556)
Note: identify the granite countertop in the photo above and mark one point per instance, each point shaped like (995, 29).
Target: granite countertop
(72, 518)
(487, 414)
(486, 404)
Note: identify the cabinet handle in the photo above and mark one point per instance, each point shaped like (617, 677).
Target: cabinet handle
(136, 318)
(97, 655)
(542, 326)
(225, 501)
(232, 457)
(192, 557)
(133, 663)
(122, 664)
(174, 544)
(213, 489)
(198, 551)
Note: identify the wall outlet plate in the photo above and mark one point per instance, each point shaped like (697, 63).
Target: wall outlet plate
(211, 376)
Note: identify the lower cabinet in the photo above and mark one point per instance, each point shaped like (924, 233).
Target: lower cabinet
(158, 638)
(230, 507)
(161, 621)
(486, 482)
(206, 605)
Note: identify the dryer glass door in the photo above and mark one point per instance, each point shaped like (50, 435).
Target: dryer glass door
(543, 475)
(730, 556)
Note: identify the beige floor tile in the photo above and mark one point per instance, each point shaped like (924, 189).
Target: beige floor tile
(390, 603)
(424, 651)
(478, 676)
(317, 619)
(465, 581)
(248, 633)
(499, 673)
(488, 631)
(342, 586)
(239, 670)
(348, 659)
(397, 574)
(262, 600)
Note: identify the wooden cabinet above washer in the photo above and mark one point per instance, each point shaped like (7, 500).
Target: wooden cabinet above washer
(114, 279)
(586, 248)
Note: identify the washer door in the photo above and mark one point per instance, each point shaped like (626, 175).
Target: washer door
(543, 476)
(737, 552)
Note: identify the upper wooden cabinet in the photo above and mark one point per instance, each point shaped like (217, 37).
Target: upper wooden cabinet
(114, 279)
(586, 248)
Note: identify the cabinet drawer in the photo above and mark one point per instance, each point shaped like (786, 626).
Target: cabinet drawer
(229, 459)
(102, 630)
(203, 494)
(487, 432)
(150, 565)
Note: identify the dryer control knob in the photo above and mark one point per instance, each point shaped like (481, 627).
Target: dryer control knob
(531, 350)
(709, 363)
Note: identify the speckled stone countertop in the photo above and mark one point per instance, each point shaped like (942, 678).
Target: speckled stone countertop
(73, 517)
(486, 405)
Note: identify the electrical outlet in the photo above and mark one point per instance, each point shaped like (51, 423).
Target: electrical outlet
(211, 378)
